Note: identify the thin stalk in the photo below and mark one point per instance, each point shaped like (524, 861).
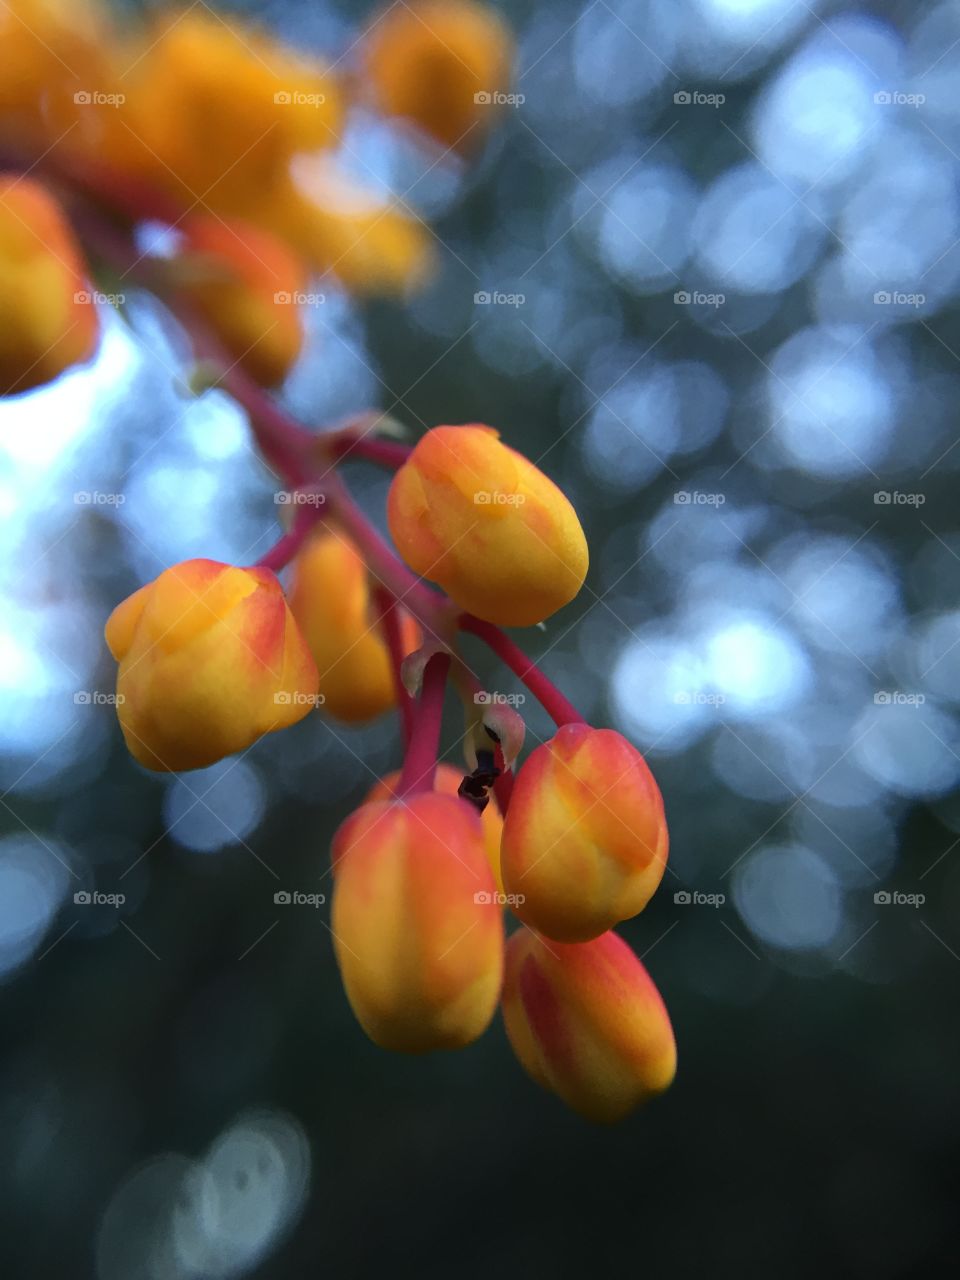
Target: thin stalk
(393, 635)
(420, 763)
(559, 708)
(286, 547)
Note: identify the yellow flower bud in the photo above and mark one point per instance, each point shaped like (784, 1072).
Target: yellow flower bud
(53, 55)
(585, 838)
(216, 111)
(488, 526)
(47, 318)
(443, 64)
(447, 781)
(417, 932)
(246, 285)
(587, 1022)
(339, 226)
(210, 660)
(330, 598)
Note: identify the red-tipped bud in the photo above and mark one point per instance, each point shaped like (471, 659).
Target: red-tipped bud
(488, 526)
(585, 838)
(447, 781)
(417, 932)
(210, 659)
(587, 1022)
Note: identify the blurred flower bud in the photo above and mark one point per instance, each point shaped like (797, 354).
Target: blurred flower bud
(249, 288)
(488, 526)
(216, 110)
(210, 659)
(442, 64)
(587, 1022)
(330, 598)
(48, 316)
(417, 932)
(447, 781)
(585, 838)
(368, 242)
(54, 55)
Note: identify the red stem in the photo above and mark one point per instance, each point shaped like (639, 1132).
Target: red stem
(420, 763)
(393, 634)
(560, 710)
(429, 608)
(286, 547)
(386, 453)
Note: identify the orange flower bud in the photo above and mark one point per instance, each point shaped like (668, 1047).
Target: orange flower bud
(210, 659)
(53, 53)
(330, 598)
(417, 933)
(444, 64)
(447, 781)
(245, 284)
(585, 838)
(587, 1022)
(47, 318)
(217, 111)
(488, 526)
(339, 226)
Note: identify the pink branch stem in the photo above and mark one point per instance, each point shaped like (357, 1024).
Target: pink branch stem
(286, 547)
(393, 635)
(559, 708)
(420, 763)
(386, 453)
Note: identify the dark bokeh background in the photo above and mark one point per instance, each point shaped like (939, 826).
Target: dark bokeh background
(768, 476)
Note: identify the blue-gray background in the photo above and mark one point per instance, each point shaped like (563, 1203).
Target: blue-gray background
(720, 238)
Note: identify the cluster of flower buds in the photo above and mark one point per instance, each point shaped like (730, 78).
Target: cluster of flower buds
(229, 139)
(211, 657)
(212, 127)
